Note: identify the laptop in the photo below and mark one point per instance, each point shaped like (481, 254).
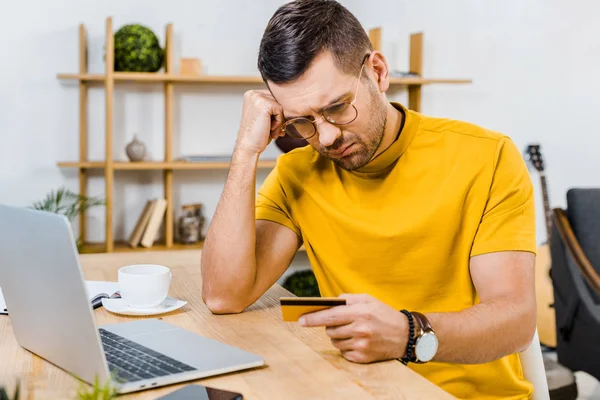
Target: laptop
(52, 317)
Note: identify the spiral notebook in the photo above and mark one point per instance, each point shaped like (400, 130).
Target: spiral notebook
(97, 290)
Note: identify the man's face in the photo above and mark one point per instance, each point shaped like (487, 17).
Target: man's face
(350, 146)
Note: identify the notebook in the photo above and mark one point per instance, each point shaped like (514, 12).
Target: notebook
(2, 304)
(97, 290)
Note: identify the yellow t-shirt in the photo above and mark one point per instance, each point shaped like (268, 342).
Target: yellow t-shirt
(403, 227)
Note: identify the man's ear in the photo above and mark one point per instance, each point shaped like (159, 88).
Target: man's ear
(379, 70)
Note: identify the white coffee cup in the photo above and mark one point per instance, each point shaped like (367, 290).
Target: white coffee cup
(144, 285)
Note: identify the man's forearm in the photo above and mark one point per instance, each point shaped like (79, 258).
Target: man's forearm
(228, 256)
(484, 332)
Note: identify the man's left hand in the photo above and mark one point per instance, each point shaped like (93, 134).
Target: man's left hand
(364, 330)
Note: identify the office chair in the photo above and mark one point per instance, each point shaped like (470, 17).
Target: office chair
(575, 249)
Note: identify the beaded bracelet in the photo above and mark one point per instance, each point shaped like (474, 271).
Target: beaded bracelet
(410, 346)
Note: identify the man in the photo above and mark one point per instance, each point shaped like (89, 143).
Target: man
(398, 212)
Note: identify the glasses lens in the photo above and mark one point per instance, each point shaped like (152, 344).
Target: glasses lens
(300, 128)
(340, 113)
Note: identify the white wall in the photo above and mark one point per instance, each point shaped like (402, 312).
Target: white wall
(532, 63)
(534, 68)
(39, 124)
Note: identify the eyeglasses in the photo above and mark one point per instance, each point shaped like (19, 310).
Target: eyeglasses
(340, 113)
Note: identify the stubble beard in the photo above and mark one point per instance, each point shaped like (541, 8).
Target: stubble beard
(366, 144)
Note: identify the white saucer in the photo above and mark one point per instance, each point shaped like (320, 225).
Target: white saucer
(119, 306)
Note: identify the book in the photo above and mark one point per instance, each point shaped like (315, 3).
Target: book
(142, 223)
(199, 158)
(205, 158)
(151, 232)
(97, 290)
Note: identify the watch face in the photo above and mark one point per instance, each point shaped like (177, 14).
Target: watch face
(426, 347)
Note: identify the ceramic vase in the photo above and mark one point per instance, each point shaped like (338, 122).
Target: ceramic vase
(136, 149)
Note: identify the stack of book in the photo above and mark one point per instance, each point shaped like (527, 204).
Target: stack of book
(146, 229)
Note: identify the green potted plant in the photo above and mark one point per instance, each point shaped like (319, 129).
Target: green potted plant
(97, 391)
(65, 202)
(302, 284)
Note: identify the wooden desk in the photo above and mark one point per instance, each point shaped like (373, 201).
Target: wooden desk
(301, 362)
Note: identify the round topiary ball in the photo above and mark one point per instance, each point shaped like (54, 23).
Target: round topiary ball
(137, 50)
(302, 284)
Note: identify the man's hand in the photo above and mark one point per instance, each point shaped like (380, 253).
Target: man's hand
(364, 330)
(261, 121)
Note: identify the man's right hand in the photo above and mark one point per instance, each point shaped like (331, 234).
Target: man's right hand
(251, 254)
(262, 118)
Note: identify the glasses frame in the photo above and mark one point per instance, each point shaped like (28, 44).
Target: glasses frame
(323, 117)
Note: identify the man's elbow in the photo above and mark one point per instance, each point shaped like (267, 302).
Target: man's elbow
(527, 329)
(219, 305)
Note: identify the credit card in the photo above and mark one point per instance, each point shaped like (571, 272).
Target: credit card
(292, 308)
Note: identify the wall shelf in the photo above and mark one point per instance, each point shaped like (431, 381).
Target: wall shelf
(159, 165)
(121, 246)
(168, 79)
(149, 77)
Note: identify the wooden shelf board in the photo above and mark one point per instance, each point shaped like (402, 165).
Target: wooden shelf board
(82, 77)
(82, 164)
(149, 77)
(427, 81)
(159, 165)
(123, 247)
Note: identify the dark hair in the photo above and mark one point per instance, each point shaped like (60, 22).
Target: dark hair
(301, 30)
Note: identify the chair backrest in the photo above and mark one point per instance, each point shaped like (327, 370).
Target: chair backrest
(583, 211)
(576, 299)
(533, 369)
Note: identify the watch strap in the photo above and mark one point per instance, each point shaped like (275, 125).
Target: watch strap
(423, 321)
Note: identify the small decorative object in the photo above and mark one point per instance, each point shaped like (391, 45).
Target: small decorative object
(136, 149)
(190, 66)
(302, 284)
(137, 50)
(191, 222)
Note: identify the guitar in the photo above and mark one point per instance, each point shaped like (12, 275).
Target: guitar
(543, 283)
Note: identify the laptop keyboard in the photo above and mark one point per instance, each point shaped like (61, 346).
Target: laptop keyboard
(131, 361)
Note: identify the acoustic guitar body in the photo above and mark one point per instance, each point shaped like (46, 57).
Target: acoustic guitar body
(546, 318)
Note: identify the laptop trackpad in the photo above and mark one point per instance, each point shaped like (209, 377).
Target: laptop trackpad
(185, 346)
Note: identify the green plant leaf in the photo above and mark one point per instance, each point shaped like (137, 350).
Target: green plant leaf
(65, 202)
(97, 391)
(4, 394)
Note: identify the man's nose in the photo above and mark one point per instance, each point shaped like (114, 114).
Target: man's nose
(328, 133)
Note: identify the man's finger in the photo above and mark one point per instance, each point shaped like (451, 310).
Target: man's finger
(340, 332)
(357, 298)
(343, 344)
(356, 356)
(334, 316)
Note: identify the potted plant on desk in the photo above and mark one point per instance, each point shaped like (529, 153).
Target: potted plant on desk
(97, 391)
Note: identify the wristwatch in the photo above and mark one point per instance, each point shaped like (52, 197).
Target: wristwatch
(426, 343)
